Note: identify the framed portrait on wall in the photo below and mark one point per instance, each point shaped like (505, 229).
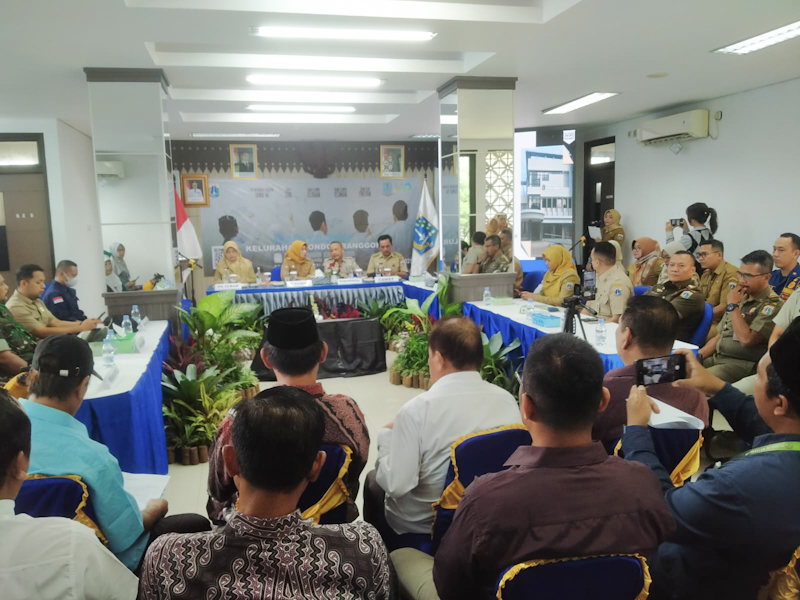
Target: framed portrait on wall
(194, 190)
(393, 162)
(244, 161)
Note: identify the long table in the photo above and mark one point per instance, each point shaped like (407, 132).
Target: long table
(127, 416)
(418, 291)
(512, 324)
(274, 297)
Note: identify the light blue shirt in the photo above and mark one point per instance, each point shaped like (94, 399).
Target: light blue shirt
(60, 445)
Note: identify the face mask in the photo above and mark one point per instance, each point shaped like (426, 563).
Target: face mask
(72, 282)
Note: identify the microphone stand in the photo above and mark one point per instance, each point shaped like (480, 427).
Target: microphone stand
(192, 262)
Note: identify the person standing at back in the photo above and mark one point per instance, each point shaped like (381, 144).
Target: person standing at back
(698, 214)
(414, 450)
(60, 298)
(718, 278)
(785, 279)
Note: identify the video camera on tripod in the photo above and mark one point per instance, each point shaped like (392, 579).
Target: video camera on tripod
(574, 304)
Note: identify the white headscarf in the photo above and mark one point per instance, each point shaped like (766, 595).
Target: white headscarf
(118, 263)
(113, 281)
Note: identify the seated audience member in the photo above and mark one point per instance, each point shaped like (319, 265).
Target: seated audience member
(236, 264)
(471, 264)
(744, 331)
(563, 496)
(267, 550)
(647, 330)
(739, 522)
(414, 451)
(60, 445)
(647, 268)
(32, 314)
(682, 293)
(344, 266)
(507, 247)
(113, 282)
(785, 279)
(120, 267)
(670, 249)
(60, 298)
(718, 278)
(294, 352)
(494, 261)
(559, 281)
(47, 558)
(295, 261)
(618, 256)
(387, 258)
(16, 344)
(613, 285)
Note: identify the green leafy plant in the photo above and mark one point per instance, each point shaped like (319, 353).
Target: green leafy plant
(447, 310)
(418, 314)
(215, 318)
(498, 367)
(375, 308)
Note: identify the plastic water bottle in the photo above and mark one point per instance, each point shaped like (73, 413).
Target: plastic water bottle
(226, 276)
(111, 336)
(258, 275)
(135, 315)
(108, 352)
(127, 326)
(530, 306)
(600, 333)
(487, 296)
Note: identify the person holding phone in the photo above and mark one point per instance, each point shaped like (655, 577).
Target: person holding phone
(646, 331)
(698, 214)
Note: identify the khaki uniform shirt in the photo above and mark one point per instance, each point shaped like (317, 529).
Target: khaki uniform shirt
(498, 264)
(304, 270)
(15, 337)
(566, 289)
(614, 287)
(31, 314)
(687, 300)
(716, 284)
(617, 235)
(378, 262)
(758, 312)
(509, 254)
(346, 267)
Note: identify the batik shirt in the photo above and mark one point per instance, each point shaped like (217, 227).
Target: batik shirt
(15, 337)
(271, 559)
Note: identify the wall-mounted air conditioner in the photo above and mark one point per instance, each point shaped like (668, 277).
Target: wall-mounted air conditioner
(675, 128)
(110, 169)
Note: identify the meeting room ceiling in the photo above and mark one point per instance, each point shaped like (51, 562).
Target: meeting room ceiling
(558, 49)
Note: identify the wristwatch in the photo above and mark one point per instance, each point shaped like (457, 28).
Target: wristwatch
(731, 307)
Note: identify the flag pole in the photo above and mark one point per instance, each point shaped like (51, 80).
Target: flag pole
(441, 216)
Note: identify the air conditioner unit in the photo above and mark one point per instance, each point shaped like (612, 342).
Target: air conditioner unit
(110, 169)
(684, 126)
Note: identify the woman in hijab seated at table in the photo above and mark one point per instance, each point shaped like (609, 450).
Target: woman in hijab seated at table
(295, 261)
(113, 282)
(120, 269)
(647, 267)
(559, 281)
(236, 264)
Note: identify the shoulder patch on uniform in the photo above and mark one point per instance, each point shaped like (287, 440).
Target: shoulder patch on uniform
(686, 295)
(620, 237)
(570, 286)
(768, 310)
(617, 290)
(733, 285)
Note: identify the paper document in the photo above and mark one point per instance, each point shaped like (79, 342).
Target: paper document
(594, 233)
(672, 418)
(144, 487)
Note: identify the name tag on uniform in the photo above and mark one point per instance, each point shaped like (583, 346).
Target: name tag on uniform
(221, 287)
(58, 300)
(300, 283)
(387, 279)
(350, 281)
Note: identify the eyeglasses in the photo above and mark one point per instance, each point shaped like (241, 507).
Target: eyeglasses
(749, 277)
(704, 254)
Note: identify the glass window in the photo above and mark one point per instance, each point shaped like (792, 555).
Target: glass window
(603, 154)
(19, 154)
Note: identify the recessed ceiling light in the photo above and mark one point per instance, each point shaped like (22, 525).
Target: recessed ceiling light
(658, 75)
(235, 135)
(166, 135)
(425, 136)
(765, 40)
(301, 108)
(343, 34)
(310, 81)
(579, 103)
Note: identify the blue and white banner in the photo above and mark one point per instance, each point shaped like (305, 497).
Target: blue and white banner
(426, 235)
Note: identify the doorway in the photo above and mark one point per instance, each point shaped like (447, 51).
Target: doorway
(598, 193)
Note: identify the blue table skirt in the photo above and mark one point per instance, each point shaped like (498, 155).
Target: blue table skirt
(274, 298)
(132, 424)
(421, 295)
(511, 330)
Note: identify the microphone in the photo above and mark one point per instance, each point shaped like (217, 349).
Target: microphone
(581, 241)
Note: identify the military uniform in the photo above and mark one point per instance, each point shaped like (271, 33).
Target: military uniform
(732, 361)
(304, 270)
(715, 286)
(498, 264)
(15, 337)
(614, 287)
(785, 286)
(378, 262)
(345, 267)
(687, 300)
(31, 314)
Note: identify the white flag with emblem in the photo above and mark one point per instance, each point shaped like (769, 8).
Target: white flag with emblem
(426, 234)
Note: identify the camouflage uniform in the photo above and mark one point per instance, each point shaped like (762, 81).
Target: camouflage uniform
(15, 337)
(687, 300)
(498, 264)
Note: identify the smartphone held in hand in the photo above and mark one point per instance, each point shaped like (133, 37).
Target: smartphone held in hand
(664, 369)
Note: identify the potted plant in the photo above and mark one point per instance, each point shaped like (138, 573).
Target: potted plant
(498, 367)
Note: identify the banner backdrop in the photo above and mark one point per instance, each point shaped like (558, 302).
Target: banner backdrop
(264, 216)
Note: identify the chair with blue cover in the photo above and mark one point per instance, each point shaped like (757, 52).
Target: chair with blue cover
(64, 496)
(612, 577)
(471, 456)
(531, 280)
(640, 290)
(701, 333)
(325, 500)
(678, 451)
(276, 273)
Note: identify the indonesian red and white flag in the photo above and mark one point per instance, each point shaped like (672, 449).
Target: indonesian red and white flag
(188, 244)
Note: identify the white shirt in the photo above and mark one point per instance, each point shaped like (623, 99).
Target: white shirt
(414, 455)
(51, 557)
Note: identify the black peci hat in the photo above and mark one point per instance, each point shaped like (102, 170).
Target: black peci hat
(64, 355)
(292, 328)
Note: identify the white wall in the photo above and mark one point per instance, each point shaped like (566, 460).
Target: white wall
(749, 174)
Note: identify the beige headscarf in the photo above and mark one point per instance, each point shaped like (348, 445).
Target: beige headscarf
(615, 223)
(242, 267)
(560, 262)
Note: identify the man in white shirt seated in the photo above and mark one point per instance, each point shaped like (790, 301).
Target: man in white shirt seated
(414, 451)
(47, 557)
